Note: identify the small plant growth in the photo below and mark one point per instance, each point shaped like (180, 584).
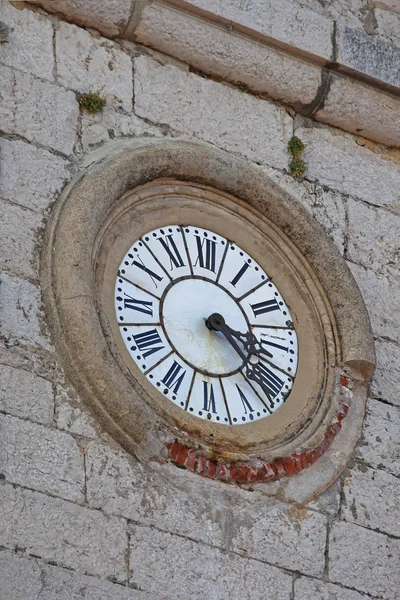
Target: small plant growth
(93, 103)
(5, 31)
(297, 166)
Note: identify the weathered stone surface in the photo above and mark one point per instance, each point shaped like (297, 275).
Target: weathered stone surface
(31, 177)
(234, 57)
(18, 230)
(338, 162)
(26, 395)
(26, 579)
(329, 501)
(30, 46)
(364, 560)
(311, 589)
(40, 458)
(37, 110)
(350, 12)
(110, 124)
(282, 21)
(388, 25)
(372, 499)
(287, 537)
(212, 111)
(382, 298)
(380, 445)
(371, 55)
(89, 64)
(20, 315)
(56, 530)
(374, 238)
(326, 206)
(386, 381)
(109, 18)
(69, 416)
(362, 109)
(119, 485)
(157, 566)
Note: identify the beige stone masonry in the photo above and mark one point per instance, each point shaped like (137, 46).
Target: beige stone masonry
(278, 48)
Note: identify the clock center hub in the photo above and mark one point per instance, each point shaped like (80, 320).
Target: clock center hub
(185, 309)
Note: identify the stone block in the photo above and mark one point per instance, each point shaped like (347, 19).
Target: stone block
(372, 499)
(62, 532)
(327, 207)
(235, 58)
(283, 21)
(110, 18)
(18, 233)
(371, 55)
(26, 395)
(380, 442)
(89, 64)
(390, 5)
(40, 458)
(311, 589)
(364, 560)
(118, 485)
(26, 579)
(362, 109)
(340, 163)
(374, 239)
(388, 25)
(386, 382)
(69, 416)
(30, 45)
(329, 501)
(382, 299)
(162, 563)
(291, 538)
(31, 177)
(110, 124)
(37, 110)
(20, 313)
(213, 112)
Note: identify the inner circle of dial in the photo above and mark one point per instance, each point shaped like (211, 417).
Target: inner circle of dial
(168, 284)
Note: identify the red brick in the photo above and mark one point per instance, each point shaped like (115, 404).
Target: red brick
(252, 474)
(222, 473)
(303, 460)
(279, 467)
(241, 475)
(210, 469)
(201, 465)
(191, 460)
(344, 381)
(175, 449)
(233, 471)
(289, 465)
(266, 473)
(182, 456)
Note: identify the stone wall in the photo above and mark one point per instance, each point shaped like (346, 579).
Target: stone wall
(79, 518)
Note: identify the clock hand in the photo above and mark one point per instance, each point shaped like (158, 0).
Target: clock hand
(254, 372)
(216, 322)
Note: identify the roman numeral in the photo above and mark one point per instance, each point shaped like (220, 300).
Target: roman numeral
(170, 247)
(239, 274)
(174, 378)
(245, 402)
(143, 306)
(148, 342)
(149, 272)
(270, 382)
(264, 307)
(206, 251)
(209, 398)
(268, 343)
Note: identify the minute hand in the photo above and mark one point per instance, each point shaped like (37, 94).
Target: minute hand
(249, 341)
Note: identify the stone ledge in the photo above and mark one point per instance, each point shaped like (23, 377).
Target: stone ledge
(288, 53)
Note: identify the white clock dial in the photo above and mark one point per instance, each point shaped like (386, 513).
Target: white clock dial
(233, 370)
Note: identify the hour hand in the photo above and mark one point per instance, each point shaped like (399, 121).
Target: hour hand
(252, 346)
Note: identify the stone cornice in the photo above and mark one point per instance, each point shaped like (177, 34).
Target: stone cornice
(333, 73)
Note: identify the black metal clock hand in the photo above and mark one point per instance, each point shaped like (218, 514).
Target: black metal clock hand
(252, 346)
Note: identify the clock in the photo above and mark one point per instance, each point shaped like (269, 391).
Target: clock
(206, 325)
(205, 317)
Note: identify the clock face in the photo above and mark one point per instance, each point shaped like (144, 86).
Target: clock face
(205, 324)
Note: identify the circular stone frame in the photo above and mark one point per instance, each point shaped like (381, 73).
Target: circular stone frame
(70, 276)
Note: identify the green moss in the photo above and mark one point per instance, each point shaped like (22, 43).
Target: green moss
(93, 103)
(5, 31)
(295, 146)
(297, 167)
